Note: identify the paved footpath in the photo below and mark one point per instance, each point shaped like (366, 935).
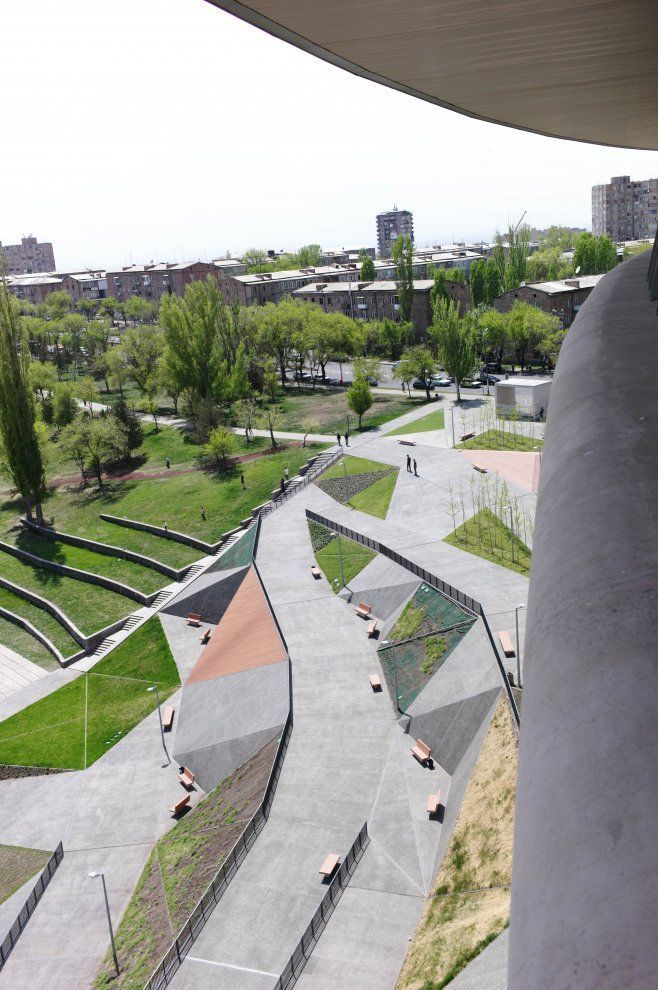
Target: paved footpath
(16, 672)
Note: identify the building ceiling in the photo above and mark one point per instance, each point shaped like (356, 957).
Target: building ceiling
(587, 70)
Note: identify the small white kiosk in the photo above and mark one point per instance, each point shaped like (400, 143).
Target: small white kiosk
(526, 396)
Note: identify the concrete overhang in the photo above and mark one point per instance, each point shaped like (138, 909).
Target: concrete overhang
(585, 71)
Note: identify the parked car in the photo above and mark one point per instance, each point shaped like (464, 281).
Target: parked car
(395, 365)
(421, 385)
(372, 381)
(473, 384)
(303, 376)
(442, 381)
(488, 379)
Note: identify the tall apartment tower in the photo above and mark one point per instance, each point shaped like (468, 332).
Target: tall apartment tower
(29, 256)
(390, 226)
(625, 210)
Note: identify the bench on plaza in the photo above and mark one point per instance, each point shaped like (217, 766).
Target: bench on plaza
(421, 751)
(180, 805)
(329, 865)
(363, 610)
(187, 778)
(372, 628)
(407, 443)
(206, 636)
(193, 619)
(467, 436)
(480, 468)
(433, 802)
(316, 572)
(168, 718)
(375, 682)
(506, 643)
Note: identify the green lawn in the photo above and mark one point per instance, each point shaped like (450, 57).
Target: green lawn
(502, 440)
(485, 535)
(433, 421)
(75, 725)
(329, 407)
(355, 465)
(375, 499)
(19, 640)
(354, 558)
(17, 865)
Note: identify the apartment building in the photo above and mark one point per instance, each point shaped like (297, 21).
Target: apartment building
(264, 287)
(562, 298)
(370, 300)
(396, 223)
(344, 255)
(152, 281)
(624, 210)
(28, 257)
(80, 285)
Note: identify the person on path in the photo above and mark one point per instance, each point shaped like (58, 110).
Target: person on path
(167, 462)
(164, 526)
(283, 485)
(338, 440)
(409, 463)
(242, 479)
(203, 513)
(415, 468)
(286, 473)
(347, 439)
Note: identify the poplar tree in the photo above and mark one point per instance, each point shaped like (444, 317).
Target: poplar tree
(18, 433)
(403, 258)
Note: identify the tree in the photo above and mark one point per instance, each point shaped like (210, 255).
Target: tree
(65, 408)
(517, 259)
(309, 425)
(58, 304)
(454, 344)
(87, 391)
(420, 363)
(239, 386)
(244, 412)
(555, 237)
(279, 330)
(367, 268)
(403, 258)
(109, 306)
(221, 444)
(393, 337)
(270, 380)
(255, 259)
(478, 284)
(191, 328)
(168, 379)
(43, 377)
(87, 307)
(22, 450)
(270, 420)
(100, 440)
(149, 406)
(606, 255)
(308, 255)
(494, 286)
(142, 349)
(584, 254)
(359, 398)
(131, 423)
(528, 326)
(439, 291)
(115, 367)
(139, 310)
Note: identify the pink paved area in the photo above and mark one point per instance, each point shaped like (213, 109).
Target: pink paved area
(519, 467)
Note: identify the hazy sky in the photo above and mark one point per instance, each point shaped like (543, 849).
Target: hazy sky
(165, 129)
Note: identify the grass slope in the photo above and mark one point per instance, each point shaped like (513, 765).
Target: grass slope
(180, 869)
(329, 407)
(17, 865)
(502, 440)
(75, 725)
(354, 556)
(44, 622)
(486, 536)
(21, 642)
(433, 421)
(455, 925)
(375, 499)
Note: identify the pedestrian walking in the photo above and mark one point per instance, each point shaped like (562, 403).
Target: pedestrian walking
(242, 479)
(338, 439)
(409, 463)
(164, 526)
(415, 468)
(167, 462)
(347, 439)
(203, 513)
(283, 485)
(286, 473)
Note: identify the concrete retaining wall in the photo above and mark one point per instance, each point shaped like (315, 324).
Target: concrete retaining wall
(47, 606)
(79, 575)
(167, 534)
(18, 620)
(176, 574)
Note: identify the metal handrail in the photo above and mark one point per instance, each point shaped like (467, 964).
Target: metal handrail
(291, 490)
(28, 908)
(302, 951)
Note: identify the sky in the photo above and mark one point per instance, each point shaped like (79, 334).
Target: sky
(167, 130)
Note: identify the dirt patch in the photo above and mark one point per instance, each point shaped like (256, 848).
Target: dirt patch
(470, 902)
(12, 773)
(343, 489)
(17, 865)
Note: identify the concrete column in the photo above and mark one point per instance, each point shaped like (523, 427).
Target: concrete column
(585, 883)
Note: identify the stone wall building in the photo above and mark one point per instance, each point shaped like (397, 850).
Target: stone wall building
(625, 210)
(370, 300)
(152, 281)
(28, 257)
(562, 298)
(396, 223)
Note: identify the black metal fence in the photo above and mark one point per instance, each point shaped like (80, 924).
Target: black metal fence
(292, 489)
(465, 602)
(27, 910)
(295, 965)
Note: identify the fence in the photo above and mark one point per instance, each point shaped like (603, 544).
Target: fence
(27, 910)
(292, 489)
(295, 965)
(465, 602)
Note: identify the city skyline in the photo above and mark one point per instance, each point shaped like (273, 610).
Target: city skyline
(135, 161)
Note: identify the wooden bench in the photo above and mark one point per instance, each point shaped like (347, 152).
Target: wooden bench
(480, 468)
(180, 805)
(433, 802)
(407, 443)
(375, 682)
(206, 636)
(168, 718)
(421, 751)
(362, 609)
(467, 436)
(187, 778)
(316, 572)
(329, 865)
(193, 619)
(372, 628)
(506, 643)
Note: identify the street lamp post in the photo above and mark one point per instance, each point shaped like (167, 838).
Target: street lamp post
(518, 645)
(93, 876)
(452, 417)
(157, 698)
(340, 557)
